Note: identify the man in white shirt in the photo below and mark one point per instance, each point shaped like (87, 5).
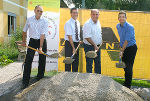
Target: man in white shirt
(38, 28)
(92, 38)
(72, 37)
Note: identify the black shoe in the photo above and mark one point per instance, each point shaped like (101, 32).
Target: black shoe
(24, 86)
(38, 78)
(128, 86)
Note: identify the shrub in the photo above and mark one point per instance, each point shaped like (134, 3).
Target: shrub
(4, 60)
(9, 49)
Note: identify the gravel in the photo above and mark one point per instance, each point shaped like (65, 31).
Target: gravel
(144, 93)
(10, 76)
(69, 86)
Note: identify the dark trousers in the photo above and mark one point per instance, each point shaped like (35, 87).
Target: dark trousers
(128, 57)
(89, 61)
(35, 43)
(68, 53)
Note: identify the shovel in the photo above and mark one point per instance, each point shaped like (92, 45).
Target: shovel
(121, 64)
(69, 60)
(58, 55)
(92, 54)
(37, 51)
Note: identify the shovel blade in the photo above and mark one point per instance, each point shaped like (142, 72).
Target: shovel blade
(91, 54)
(68, 60)
(55, 55)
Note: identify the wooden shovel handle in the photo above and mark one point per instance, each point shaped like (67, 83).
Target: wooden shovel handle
(76, 50)
(62, 50)
(99, 47)
(33, 49)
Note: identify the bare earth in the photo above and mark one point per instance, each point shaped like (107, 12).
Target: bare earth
(69, 86)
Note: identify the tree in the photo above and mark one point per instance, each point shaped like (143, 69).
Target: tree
(132, 5)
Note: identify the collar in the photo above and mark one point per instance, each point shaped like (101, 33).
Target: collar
(124, 24)
(73, 20)
(36, 19)
(92, 22)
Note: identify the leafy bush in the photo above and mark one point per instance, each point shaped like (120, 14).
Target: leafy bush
(15, 37)
(9, 49)
(4, 60)
(10, 52)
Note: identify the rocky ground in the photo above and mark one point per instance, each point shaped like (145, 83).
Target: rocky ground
(69, 86)
(66, 87)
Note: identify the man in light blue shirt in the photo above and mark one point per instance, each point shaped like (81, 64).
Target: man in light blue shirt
(128, 46)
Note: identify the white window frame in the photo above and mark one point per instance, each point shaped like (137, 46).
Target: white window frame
(9, 26)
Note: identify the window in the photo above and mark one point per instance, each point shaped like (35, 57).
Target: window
(11, 23)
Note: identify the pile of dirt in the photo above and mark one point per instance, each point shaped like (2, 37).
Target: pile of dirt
(69, 86)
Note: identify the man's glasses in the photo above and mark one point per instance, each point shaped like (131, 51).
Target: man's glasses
(40, 11)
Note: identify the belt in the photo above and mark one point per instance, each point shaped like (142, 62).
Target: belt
(73, 42)
(92, 45)
(132, 46)
(35, 39)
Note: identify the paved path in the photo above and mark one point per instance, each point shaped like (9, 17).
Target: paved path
(10, 75)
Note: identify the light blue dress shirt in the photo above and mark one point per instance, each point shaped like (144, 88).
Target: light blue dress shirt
(126, 32)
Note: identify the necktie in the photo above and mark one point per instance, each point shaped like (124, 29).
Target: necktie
(76, 30)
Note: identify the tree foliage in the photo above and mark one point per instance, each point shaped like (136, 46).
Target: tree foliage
(132, 5)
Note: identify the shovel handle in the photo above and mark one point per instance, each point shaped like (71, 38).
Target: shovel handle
(75, 50)
(62, 50)
(34, 49)
(98, 47)
(119, 60)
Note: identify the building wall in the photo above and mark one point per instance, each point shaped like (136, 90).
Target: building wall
(109, 50)
(1, 4)
(1, 24)
(13, 7)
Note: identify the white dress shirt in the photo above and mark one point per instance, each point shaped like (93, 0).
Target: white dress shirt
(70, 29)
(36, 27)
(92, 30)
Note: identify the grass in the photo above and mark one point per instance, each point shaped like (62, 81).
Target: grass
(50, 73)
(139, 83)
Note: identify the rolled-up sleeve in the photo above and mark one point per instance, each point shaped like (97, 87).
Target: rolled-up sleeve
(67, 29)
(26, 26)
(129, 33)
(86, 31)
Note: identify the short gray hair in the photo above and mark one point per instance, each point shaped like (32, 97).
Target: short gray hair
(37, 6)
(93, 10)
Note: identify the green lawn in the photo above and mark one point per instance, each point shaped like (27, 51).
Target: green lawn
(139, 83)
(51, 73)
